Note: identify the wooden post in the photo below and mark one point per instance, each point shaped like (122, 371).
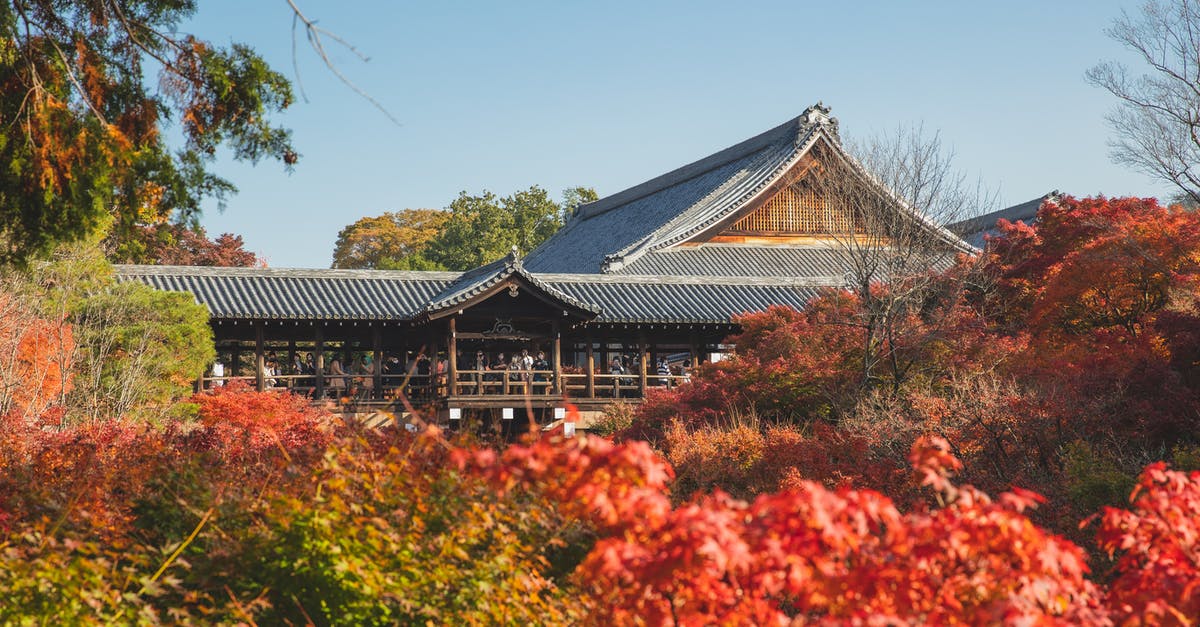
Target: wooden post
(556, 359)
(591, 367)
(319, 383)
(432, 351)
(377, 361)
(452, 359)
(642, 360)
(260, 382)
(292, 358)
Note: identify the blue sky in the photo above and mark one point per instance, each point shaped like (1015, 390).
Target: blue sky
(501, 96)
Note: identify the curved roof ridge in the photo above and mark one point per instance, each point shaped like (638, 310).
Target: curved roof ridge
(725, 199)
(687, 279)
(484, 278)
(691, 170)
(299, 273)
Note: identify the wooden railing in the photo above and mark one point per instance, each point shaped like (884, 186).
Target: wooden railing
(504, 382)
(468, 382)
(356, 386)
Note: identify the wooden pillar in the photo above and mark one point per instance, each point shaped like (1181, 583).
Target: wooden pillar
(319, 365)
(260, 382)
(556, 358)
(452, 358)
(642, 360)
(432, 351)
(694, 348)
(377, 360)
(591, 367)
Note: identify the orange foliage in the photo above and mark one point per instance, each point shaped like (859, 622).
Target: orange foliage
(35, 357)
(809, 554)
(240, 424)
(1158, 580)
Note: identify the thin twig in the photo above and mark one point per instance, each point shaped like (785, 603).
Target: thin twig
(315, 34)
(178, 550)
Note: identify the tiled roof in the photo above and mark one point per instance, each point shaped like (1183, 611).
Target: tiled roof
(617, 229)
(270, 293)
(737, 260)
(629, 299)
(975, 230)
(638, 230)
(583, 244)
(478, 281)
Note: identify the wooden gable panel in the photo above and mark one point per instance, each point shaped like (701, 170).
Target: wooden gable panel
(795, 210)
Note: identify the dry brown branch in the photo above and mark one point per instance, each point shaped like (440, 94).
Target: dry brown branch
(1157, 121)
(893, 198)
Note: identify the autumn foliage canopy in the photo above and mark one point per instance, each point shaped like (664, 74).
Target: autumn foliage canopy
(781, 487)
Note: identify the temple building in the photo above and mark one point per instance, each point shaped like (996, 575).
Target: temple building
(975, 231)
(635, 289)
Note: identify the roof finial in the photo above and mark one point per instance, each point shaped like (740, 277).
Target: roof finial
(818, 115)
(514, 255)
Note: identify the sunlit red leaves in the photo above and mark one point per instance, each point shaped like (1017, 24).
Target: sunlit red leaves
(241, 424)
(592, 477)
(1097, 262)
(810, 554)
(1158, 549)
(789, 364)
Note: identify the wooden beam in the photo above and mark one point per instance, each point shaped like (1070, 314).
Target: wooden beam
(470, 335)
(591, 367)
(319, 375)
(642, 358)
(377, 361)
(556, 359)
(260, 382)
(432, 352)
(452, 357)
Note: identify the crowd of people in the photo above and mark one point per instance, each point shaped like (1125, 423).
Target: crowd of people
(523, 372)
(622, 375)
(501, 372)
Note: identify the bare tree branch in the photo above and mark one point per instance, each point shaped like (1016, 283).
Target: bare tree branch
(1157, 121)
(885, 209)
(316, 36)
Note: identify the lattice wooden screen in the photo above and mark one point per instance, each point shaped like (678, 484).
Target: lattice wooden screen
(799, 211)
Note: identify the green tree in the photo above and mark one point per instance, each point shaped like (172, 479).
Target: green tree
(394, 240)
(484, 228)
(575, 197)
(136, 349)
(88, 88)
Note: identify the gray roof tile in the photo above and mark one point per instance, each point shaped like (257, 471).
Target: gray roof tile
(676, 205)
(255, 293)
(480, 280)
(738, 260)
(262, 293)
(683, 301)
(976, 230)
